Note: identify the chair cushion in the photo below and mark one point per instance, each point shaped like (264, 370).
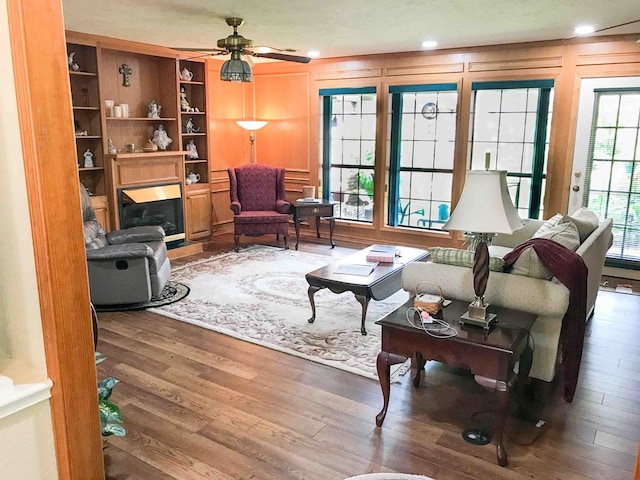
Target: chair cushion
(259, 216)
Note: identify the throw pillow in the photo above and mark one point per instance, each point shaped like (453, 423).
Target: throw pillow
(529, 265)
(462, 258)
(549, 224)
(565, 234)
(586, 221)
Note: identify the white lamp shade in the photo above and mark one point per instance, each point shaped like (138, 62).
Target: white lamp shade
(485, 205)
(251, 124)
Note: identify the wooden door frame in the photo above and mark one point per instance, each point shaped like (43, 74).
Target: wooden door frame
(36, 33)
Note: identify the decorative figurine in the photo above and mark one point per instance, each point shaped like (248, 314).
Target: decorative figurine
(79, 132)
(184, 103)
(186, 75)
(88, 159)
(193, 151)
(154, 110)
(73, 66)
(190, 127)
(160, 138)
(111, 148)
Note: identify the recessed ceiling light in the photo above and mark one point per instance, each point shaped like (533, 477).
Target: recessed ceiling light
(584, 30)
(429, 44)
(313, 53)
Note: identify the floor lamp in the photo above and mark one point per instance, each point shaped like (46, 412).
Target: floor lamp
(485, 209)
(252, 126)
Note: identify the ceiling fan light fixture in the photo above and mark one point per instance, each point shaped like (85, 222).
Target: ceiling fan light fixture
(235, 69)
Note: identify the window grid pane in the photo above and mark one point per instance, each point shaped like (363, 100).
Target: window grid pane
(351, 156)
(426, 154)
(504, 123)
(614, 181)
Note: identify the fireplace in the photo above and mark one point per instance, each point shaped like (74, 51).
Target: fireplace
(154, 205)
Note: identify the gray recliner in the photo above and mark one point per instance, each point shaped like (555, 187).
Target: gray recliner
(125, 266)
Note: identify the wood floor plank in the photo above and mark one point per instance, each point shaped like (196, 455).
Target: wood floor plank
(201, 405)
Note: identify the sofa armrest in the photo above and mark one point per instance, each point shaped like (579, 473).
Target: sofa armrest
(533, 295)
(282, 206)
(147, 233)
(123, 251)
(236, 208)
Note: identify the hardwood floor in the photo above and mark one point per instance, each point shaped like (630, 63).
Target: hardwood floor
(200, 405)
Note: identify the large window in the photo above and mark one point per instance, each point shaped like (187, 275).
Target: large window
(423, 131)
(348, 150)
(511, 120)
(613, 171)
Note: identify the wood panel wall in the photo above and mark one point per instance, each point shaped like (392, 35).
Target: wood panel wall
(280, 89)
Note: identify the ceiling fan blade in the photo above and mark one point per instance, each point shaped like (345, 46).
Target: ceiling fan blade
(282, 56)
(208, 51)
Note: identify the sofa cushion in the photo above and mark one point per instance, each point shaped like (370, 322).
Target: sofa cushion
(566, 234)
(462, 258)
(549, 224)
(586, 222)
(529, 265)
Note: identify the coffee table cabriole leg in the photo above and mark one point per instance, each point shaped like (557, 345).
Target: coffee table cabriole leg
(383, 364)
(311, 292)
(364, 301)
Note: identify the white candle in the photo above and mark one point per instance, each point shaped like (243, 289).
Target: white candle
(487, 159)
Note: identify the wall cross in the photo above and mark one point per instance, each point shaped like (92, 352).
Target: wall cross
(125, 70)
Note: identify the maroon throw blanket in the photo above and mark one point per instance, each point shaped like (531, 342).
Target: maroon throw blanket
(569, 268)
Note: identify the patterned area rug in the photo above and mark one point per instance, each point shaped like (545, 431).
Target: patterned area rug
(260, 295)
(171, 293)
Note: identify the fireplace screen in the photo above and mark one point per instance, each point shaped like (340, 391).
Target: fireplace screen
(153, 205)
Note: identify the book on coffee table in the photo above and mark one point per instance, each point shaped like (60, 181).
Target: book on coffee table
(359, 269)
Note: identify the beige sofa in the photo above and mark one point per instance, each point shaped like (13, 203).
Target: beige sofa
(547, 298)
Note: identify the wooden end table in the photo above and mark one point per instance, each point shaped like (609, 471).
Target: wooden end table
(384, 281)
(490, 355)
(321, 209)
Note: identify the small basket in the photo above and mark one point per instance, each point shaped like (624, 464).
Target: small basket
(428, 302)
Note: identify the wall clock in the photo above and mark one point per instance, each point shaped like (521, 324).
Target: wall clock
(429, 110)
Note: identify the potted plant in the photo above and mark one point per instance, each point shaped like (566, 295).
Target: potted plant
(110, 414)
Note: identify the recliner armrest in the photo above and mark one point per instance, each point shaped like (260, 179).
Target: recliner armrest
(122, 251)
(147, 233)
(236, 208)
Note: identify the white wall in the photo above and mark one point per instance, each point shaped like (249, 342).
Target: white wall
(26, 437)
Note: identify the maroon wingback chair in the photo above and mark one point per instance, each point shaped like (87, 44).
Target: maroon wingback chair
(258, 202)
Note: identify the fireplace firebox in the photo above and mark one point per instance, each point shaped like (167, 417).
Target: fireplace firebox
(154, 205)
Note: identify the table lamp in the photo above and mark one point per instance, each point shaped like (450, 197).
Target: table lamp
(485, 209)
(252, 126)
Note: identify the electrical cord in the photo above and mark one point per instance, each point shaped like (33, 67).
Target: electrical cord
(436, 328)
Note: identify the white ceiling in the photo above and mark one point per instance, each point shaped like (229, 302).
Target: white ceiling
(349, 27)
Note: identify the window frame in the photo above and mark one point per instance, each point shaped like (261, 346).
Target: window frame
(538, 175)
(395, 168)
(326, 95)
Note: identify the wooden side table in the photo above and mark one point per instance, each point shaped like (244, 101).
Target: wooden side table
(322, 209)
(490, 356)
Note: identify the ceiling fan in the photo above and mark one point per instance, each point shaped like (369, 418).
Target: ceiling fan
(235, 69)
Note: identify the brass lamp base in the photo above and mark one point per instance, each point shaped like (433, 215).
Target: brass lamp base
(478, 315)
(478, 322)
